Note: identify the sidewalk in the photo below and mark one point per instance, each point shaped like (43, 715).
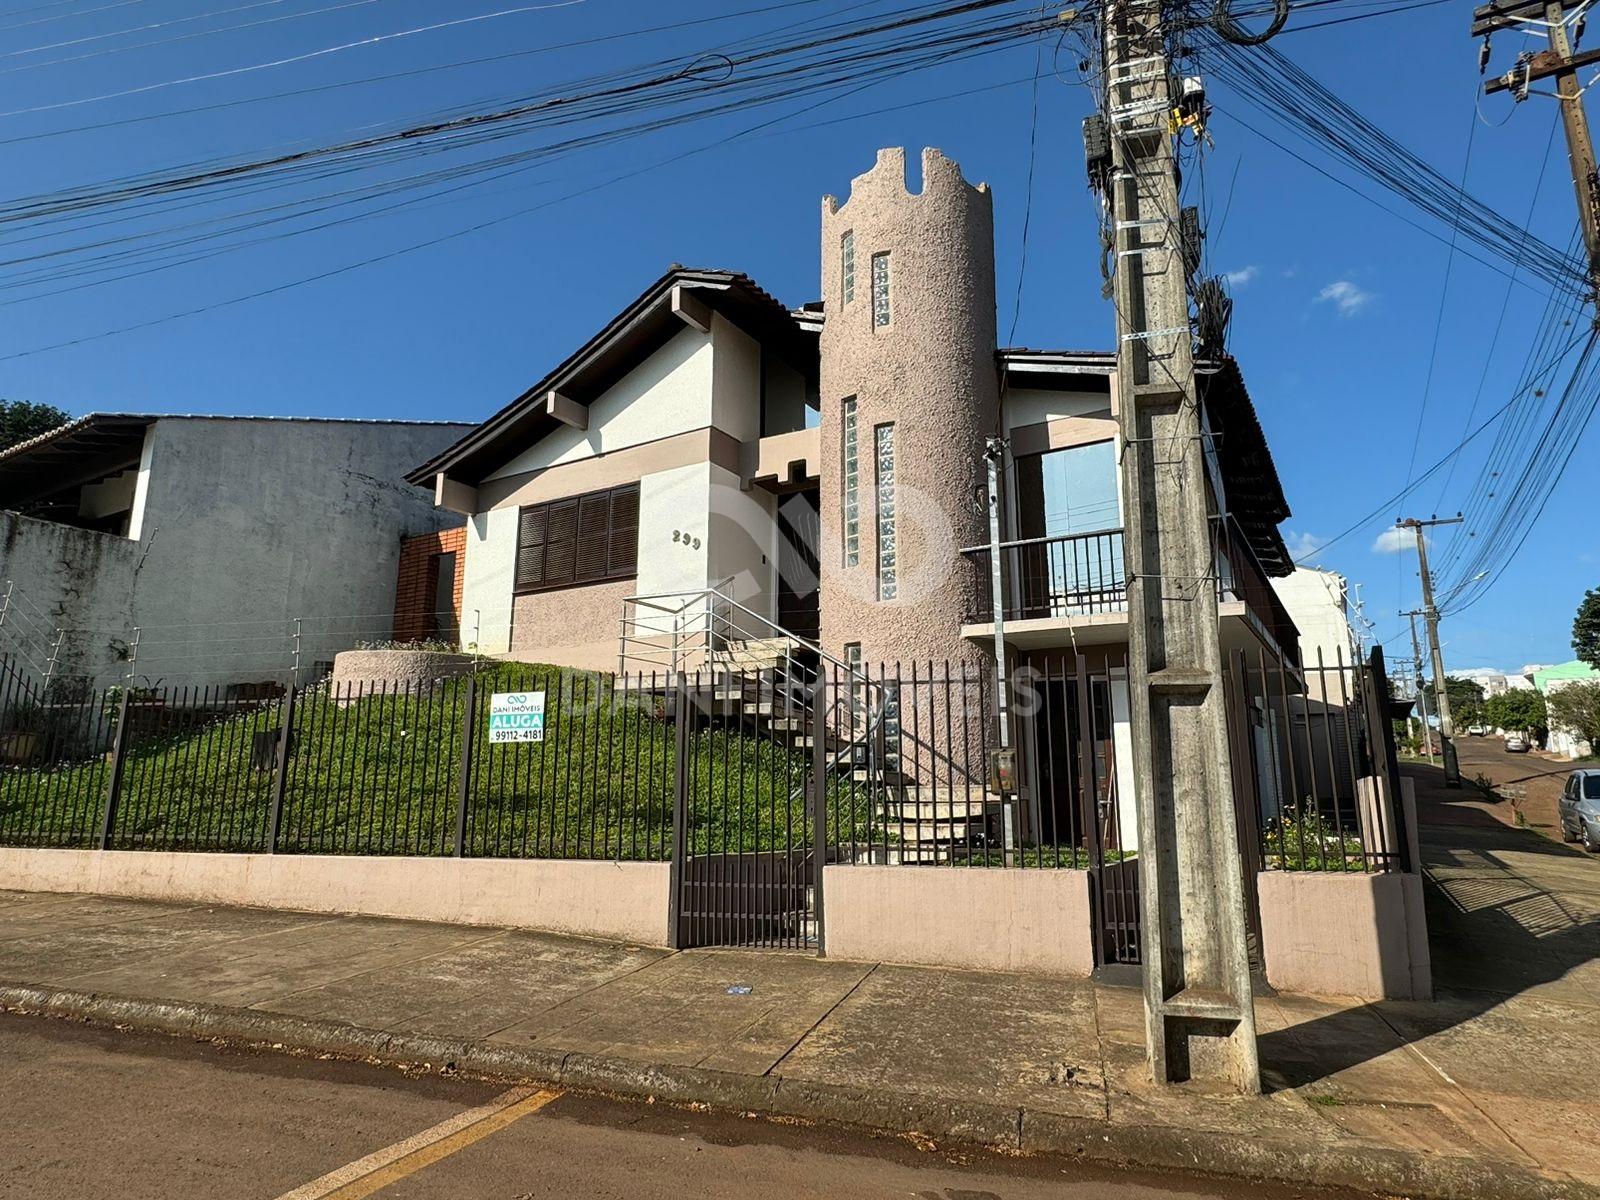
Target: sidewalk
(1488, 1092)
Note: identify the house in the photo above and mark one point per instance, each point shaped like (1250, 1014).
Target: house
(821, 472)
(1318, 602)
(204, 551)
(1548, 680)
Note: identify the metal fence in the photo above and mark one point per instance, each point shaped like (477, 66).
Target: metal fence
(343, 768)
(1314, 765)
(746, 777)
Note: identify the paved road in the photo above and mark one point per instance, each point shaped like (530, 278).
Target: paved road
(1540, 778)
(98, 1112)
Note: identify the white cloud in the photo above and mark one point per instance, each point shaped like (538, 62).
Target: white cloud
(1301, 545)
(1237, 279)
(1395, 540)
(1346, 296)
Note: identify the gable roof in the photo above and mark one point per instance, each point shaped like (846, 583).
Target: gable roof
(638, 330)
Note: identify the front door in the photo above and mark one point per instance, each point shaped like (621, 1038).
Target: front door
(799, 531)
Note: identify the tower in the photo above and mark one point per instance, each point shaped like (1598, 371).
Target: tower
(909, 392)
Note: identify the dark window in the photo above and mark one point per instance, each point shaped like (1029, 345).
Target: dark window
(584, 539)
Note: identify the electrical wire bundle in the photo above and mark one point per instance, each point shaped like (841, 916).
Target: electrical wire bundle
(87, 235)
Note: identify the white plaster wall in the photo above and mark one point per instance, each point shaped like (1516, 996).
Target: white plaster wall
(625, 901)
(735, 380)
(487, 579)
(65, 577)
(1316, 602)
(785, 400)
(141, 490)
(1034, 406)
(675, 512)
(743, 544)
(669, 393)
(243, 526)
(1122, 749)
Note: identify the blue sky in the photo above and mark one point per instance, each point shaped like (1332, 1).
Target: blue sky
(1336, 300)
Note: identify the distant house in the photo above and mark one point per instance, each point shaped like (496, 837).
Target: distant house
(1566, 742)
(205, 551)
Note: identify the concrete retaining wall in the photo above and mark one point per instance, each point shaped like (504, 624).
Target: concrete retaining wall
(1000, 920)
(625, 901)
(1346, 934)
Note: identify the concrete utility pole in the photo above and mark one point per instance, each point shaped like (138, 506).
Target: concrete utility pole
(994, 455)
(1199, 1016)
(1430, 617)
(1417, 683)
(1561, 64)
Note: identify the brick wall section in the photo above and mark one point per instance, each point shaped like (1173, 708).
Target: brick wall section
(419, 577)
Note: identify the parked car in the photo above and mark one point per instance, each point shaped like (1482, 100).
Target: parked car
(1516, 743)
(1579, 810)
(1477, 731)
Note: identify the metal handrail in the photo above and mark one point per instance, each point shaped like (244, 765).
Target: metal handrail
(1039, 541)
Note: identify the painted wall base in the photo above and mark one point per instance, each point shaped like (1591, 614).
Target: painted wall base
(1346, 934)
(1035, 921)
(624, 901)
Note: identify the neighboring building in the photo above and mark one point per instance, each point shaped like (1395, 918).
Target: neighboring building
(1562, 741)
(1495, 683)
(185, 549)
(824, 468)
(1318, 602)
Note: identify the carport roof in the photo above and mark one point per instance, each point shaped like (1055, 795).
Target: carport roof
(81, 451)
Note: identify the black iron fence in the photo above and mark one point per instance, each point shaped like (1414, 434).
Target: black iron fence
(1314, 766)
(345, 768)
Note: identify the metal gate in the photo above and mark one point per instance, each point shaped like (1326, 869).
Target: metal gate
(744, 858)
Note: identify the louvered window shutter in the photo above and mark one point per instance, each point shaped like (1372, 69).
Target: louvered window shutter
(624, 540)
(579, 540)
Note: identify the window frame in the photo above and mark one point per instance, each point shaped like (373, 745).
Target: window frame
(608, 535)
(886, 523)
(850, 481)
(847, 266)
(882, 258)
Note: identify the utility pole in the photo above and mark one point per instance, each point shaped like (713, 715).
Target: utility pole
(1430, 618)
(1199, 1014)
(1560, 64)
(1417, 683)
(1005, 767)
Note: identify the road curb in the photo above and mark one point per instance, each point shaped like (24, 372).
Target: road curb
(1389, 1172)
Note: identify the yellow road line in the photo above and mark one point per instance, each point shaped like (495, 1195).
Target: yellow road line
(393, 1163)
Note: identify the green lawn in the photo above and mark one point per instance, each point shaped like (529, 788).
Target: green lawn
(380, 774)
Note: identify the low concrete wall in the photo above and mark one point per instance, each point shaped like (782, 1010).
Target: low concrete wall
(983, 919)
(358, 671)
(1346, 934)
(625, 901)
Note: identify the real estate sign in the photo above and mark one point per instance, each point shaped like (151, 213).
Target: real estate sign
(516, 717)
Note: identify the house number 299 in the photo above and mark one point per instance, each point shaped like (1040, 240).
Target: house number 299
(682, 535)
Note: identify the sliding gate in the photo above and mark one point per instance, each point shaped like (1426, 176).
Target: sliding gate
(745, 869)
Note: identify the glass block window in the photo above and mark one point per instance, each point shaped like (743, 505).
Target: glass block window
(852, 486)
(847, 263)
(888, 564)
(880, 290)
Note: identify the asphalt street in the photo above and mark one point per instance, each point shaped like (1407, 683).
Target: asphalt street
(92, 1111)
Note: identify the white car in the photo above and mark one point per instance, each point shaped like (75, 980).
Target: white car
(1477, 730)
(1516, 744)
(1579, 810)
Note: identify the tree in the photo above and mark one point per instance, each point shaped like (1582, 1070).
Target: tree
(1586, 629)
(1521, 709)
(22, 419)
(1577, 707)
(1466, 699)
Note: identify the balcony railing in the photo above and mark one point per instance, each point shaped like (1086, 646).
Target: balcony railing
(1068, 576)
(1084, 574)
